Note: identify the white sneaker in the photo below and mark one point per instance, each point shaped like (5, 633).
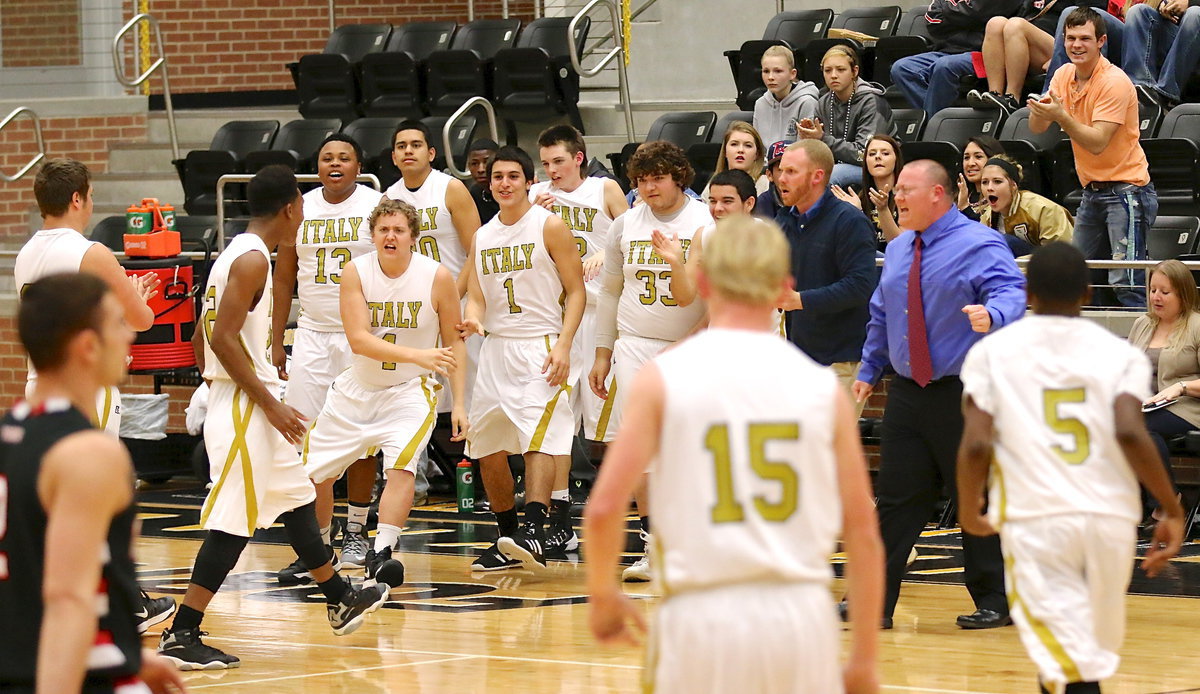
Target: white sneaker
(639, 571)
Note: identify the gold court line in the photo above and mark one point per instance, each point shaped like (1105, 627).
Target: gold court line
(324, 674)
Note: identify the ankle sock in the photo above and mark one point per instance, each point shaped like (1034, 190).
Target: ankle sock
(187, 618)
(507, 520)
(386, 536)
(334, 589)
(356, 517)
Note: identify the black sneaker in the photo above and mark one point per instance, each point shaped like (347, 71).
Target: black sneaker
(561, 539)
(975, 98)
(527, 546)
(184, 648)
(381, 568)
(494, 560)
(153, 611)
(1004, 102)
(348, 614)
(296, 573)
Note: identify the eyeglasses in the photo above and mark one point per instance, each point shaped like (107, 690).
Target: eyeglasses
(905, 190)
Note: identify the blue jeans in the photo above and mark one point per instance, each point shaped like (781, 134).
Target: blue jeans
(1159, 53)
(846, 175)
(1112, 224)
(1111, 47)
(930, 81)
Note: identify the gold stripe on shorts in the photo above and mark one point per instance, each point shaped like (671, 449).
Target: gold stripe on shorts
(539, 433)
(240, 424)
(410, 450)
(606, 411)
(102, 416)
(1043, 633)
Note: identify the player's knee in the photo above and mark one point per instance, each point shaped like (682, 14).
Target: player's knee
(216, 558)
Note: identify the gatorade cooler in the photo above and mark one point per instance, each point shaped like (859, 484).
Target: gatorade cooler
(168, 343)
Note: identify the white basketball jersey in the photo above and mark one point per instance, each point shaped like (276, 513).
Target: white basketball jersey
(400, 311)
(521, 287)
(255, 334)
(586, 215)
(439, 239)
(646, 307)
(1050, 383)
(50, 252)
(745, 484)
(330, 237)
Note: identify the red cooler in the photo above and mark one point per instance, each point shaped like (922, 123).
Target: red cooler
(168, 343)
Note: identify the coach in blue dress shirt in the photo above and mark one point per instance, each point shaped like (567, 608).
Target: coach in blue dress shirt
(947, 281)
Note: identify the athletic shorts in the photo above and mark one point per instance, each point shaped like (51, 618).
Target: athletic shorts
(256, 473)
(446, 397)
(630, 354)
(357, 421)
(591, 412)
(1066, 577)
(765, 638)
(513, 408)
(317, 359)
(108, 406)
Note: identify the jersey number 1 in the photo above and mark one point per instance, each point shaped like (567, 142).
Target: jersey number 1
(728, 509)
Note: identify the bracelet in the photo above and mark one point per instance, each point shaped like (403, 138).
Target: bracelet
(1183, 385)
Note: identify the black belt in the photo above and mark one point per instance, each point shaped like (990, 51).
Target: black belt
(1100, 186)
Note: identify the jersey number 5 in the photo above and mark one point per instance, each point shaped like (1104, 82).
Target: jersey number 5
(728, 508)
(1080, 449)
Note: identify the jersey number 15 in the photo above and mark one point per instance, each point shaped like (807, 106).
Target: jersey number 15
(729, 508)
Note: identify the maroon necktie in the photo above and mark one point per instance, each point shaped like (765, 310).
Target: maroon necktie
(918, 342)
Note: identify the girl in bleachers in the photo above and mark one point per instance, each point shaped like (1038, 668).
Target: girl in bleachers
(881, 163)
(742, 148)
(976, 152)
(1026, 219)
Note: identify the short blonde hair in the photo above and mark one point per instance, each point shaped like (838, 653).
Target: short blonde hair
(747, 259)
(780, 52)
(818, 153)
(388, 206)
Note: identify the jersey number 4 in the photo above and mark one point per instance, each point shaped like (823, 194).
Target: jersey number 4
(729, 508)
(1081, 446)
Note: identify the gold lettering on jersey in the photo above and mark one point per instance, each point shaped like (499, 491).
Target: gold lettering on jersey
(394, 314)
(576, 218)
(643, 253)
(507, 258)
(339, 230)
(427, 217)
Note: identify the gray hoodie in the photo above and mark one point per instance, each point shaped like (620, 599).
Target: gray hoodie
(849, 126)
(775, 120)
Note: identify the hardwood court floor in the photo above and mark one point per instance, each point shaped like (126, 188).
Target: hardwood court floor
(451, 630)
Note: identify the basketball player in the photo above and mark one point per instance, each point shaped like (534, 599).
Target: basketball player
(756, 471)
(637, 309)
(588, 205)
(1064, 423)
(526, 291)
(395, 305)
(250, 435)
(63, 189)
(66, 507)
(334, 232)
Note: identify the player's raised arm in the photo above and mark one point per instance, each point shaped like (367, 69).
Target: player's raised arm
(283, 283)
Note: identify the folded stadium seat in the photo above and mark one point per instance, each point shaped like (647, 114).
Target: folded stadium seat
(461, 137)
(911, 38)
(464, 71)
(198, 233)
(535, 81)
(1173, 157)
(684, 128)
(231, 144)
(1172, 236)
(907, 124)
(947, 154)
(110, 232)
(374, 136)
(1033, 150)
(295, 145)
(947, 131)
(1064, 180)
(1030, 158)
(1150, 117)
(1016, 127)
(791, 29)
(703, 157)
(873, 21)
(718, 131)
(326, 83)
(393, 82)
(618, 160)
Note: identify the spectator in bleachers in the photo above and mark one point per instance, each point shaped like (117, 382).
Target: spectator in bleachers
(976, 152)
(769, 202)
(848, 114)
(1026, 219)
(833, 262)
(875, 197)
(1114, 29)
(742, 149)
(477, 159)
(1095, 104)
(1162, 48)
(787, 100)
(931, 81)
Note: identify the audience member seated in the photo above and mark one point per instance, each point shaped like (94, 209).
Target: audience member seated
(975, 155)
(1026, 219)
(875, 196)
(848, 114)
(931, 81)
(1112, 46)
(1161, 49)
(742, 150)
(477, 158)
(769, 201)
(787, 99)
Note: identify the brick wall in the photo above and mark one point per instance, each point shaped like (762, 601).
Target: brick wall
(242, 45)
(86, 138)
(28, 24)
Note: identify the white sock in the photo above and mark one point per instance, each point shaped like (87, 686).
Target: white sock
(325, 534)
(356, 517)
(386, 536)
(560, 495)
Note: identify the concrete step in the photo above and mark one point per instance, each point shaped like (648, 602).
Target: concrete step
(147, 157)
(119, 190)
(199, 125)
(606, 118)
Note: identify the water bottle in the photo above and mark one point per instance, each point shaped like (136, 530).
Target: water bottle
(466, 487)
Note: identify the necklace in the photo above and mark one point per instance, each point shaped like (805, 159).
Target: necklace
(846, 125)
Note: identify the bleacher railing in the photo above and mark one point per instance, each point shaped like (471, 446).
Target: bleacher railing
(473, 102)
(161, 63)
(37, 133)
(618, 50)
(372, 179)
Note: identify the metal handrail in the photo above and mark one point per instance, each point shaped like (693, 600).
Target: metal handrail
(632, 16)
(454, 118)
(160, 63)
(618, 50)
(37, 131)
(245, 178)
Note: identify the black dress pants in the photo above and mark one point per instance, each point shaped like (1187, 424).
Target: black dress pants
(922, 428)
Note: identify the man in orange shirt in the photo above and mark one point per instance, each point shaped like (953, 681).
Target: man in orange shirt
(1096, 105)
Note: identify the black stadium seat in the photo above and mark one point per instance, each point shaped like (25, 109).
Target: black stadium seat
(907, 124)
(535, 80)
(1150, 117)
(326, 83)
(464, 71)
(231, 144)
(393, 82)
(957, 124)
(684, 128)
(911, 38)
(295, 145)
(352, 42)
(1016, 127)
(873, 21)
(461, 136)
(791, 29)
(1173, 158)
(110, 232)
(703, 157)
(374, 135)
(718, 131)
(1172, 236)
